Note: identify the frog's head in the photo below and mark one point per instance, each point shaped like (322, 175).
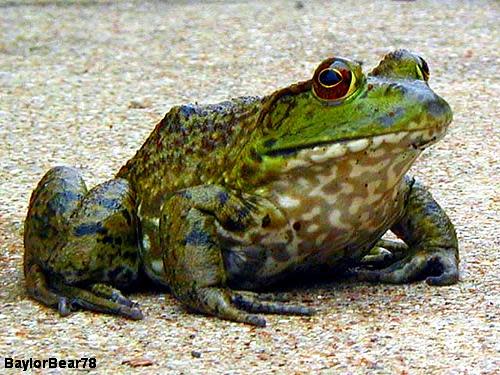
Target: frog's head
(346, 109)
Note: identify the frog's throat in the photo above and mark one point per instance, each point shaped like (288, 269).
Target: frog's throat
(262, 171)
(412, 139)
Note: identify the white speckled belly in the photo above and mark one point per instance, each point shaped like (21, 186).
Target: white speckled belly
(341, 198)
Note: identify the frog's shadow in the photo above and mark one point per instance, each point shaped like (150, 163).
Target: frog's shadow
(298, 282)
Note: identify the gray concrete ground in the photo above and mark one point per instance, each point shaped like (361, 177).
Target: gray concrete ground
(83, 83)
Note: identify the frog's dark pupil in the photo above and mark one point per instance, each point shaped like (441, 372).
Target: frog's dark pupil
(425, 67)
(329, 77)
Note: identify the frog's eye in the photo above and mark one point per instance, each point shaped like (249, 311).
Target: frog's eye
(333, 81)
(423, 70)
(329, 77)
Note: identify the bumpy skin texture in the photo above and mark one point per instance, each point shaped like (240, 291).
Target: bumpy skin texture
(223, 200)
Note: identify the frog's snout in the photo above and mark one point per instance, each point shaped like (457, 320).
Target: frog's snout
(420, 102)
(439, 109)
(434, 110)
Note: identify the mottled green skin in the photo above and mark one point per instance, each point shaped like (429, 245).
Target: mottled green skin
(210, 206)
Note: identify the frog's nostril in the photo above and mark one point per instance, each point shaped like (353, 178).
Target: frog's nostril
(436, 108)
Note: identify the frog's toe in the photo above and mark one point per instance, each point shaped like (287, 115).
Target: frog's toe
(102, 305)
(437, 267)
(125, 301)
(113, 294)
(397, 248)
(135, 313)
(398, 273)
(218, 302)
(378, 257)
(63, 306)
(384, 253)
(275, 297)
(255, 304)
(122, 300)
(443, 269)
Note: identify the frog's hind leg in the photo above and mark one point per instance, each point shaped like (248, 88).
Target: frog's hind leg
(56, 197)
(77, 240)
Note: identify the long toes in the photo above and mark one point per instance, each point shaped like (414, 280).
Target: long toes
(268, 307)
(254, 320)
(122, 300)
(217, 301)
(229, 312)
(365, 274)
(107, 306)
(133, 313)
(112, 294)
(275, 297)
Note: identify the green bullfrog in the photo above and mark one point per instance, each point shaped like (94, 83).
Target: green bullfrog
(225, 200)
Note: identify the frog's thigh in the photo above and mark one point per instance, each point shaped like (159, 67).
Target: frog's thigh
(72, 236)
(101, 247)
(57, 195)
(101, 239)
(193, 257)
(432, 244)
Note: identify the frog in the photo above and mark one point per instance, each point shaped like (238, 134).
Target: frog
(224, 201)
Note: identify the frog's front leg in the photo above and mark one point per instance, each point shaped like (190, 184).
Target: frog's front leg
(432, 246)
(193, 258)
(384, 253)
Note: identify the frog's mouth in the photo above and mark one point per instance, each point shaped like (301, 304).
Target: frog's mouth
(414, 139)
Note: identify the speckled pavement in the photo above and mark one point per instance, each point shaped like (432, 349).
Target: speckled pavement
(83, 84)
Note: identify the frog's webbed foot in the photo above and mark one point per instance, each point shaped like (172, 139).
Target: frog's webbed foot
(438, 266)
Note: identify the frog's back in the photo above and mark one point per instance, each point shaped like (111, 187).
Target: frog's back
(192, 145)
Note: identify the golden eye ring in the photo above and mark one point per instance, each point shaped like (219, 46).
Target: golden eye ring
(333, 81)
